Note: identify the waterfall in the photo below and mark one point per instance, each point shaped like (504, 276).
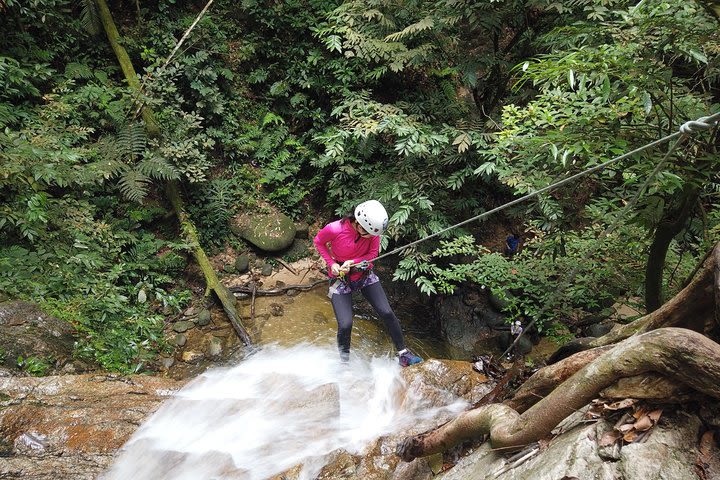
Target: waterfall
(281, 407)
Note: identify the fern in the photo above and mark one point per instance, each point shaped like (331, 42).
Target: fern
(75, 70)
(424, 24)
(134, 185)
(154, 166)
(89, 17)
(131, 141)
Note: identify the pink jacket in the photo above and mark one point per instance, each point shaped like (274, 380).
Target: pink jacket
(338, 242)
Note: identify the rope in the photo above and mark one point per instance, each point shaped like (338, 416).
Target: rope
(687, 128)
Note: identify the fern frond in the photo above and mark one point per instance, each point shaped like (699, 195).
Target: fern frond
(103, 169)
(89, 17)
(134, 185)
(78, 70)
(156, 167)
(131, 140)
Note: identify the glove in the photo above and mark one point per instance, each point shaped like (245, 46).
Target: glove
(345, 267)
(335, 269)
(364, 265)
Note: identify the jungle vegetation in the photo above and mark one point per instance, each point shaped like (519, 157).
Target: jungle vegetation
(441, 109)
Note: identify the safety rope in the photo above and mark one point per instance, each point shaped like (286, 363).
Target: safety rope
(687, 128)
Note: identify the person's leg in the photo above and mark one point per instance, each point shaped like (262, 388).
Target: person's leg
(342, 305)
(375, 294)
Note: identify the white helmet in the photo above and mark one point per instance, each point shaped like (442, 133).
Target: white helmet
(371, 215)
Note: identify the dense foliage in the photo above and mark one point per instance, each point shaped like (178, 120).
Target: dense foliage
(440, 109)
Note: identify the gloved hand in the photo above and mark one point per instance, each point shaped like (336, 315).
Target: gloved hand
(364, 265)
(345, 267)
(335, 269)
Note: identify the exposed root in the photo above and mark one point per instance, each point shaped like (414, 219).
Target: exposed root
(683, 355)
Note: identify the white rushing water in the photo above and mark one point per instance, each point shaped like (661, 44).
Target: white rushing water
(278, 408)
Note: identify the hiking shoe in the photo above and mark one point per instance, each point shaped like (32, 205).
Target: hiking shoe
(407, 358)
(344, 358)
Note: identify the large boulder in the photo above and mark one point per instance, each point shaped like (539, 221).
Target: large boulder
(44, 343)
(459, 326)
(668, 453)
(270, 232)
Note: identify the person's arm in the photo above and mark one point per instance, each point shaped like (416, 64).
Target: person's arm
(321, 240)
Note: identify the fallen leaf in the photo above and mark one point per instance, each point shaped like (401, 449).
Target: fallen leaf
(626, 428)
(628, 402)
(609, 438)
(707, 443)
(643, 423)
(655, 415)
(630, 436)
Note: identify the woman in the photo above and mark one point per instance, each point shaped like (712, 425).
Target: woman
(348, 246)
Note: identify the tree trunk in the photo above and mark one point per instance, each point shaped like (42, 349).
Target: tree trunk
(125, 64)
(227, 299)
(674, 220)
(679, 354)
(212, 283)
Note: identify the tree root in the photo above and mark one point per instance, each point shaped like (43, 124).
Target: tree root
(276, 291)
(679, 354)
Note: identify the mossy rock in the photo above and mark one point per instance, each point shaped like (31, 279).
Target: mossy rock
(242, 263)
(270, 232)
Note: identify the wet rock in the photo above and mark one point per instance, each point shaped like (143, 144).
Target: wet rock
(340, 465)
(300, 248)
(302, 230)
(277, 310)
(438, 382)
(213, 347)
(266, 270)
(486, 316)
(418, 469)
(191, 356)
(167, 362)
(458, 324)
(472, 297)
(180, 340)
(204, 317)
(242, 263)
(183, 326)
(68, 427)
(597, 330)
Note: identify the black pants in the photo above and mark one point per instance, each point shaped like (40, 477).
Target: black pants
(342, 305)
